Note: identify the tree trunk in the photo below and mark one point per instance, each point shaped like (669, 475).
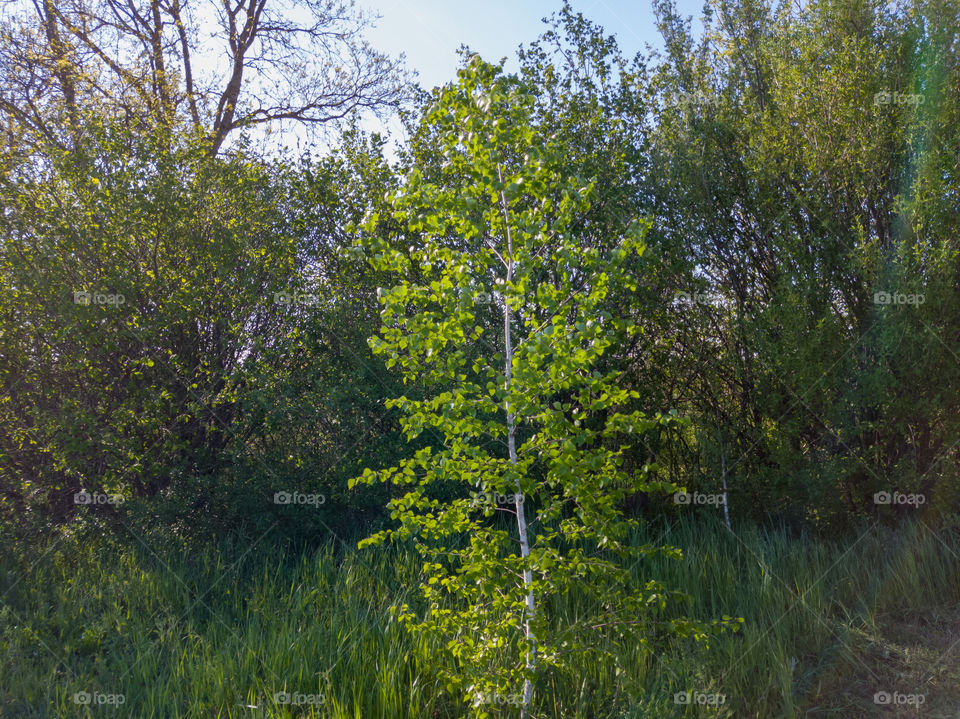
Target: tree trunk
(512, 448)
(723, 476)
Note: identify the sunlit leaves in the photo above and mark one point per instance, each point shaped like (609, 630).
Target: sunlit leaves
(502, 174)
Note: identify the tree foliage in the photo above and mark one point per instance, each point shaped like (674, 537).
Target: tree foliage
(531, 428)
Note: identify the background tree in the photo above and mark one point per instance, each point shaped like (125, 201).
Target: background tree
(231, 363)
(794, 168)
(158, 61)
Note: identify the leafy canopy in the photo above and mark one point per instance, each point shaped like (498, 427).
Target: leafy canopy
(494, 236)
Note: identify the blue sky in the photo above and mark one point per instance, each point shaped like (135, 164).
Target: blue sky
(430, 31)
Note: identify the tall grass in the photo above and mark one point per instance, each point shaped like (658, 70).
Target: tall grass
(219, 632)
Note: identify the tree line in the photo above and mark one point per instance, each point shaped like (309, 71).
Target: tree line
(186, 317)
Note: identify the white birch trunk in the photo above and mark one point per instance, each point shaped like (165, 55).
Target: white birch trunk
(512, 448)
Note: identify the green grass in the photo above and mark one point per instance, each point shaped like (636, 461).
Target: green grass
(217, 632)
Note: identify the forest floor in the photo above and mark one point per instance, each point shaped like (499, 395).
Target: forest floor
(909, 665)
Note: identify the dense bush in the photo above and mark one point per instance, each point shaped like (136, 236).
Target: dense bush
(794, 184)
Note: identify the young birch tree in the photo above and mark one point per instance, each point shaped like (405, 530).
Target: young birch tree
(525, 417)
